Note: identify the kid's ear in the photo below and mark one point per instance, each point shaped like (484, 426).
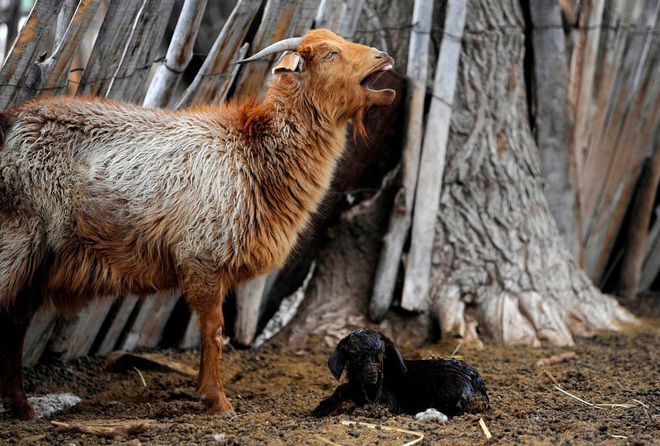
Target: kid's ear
(289, 62)
(337, 361)
(393, 356)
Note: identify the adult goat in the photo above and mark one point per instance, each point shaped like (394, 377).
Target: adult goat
(101, 198)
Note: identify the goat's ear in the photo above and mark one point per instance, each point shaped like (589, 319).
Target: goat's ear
(337, 361)
(393, 356)
(289, 62)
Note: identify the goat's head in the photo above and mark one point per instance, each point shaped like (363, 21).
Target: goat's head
(336, 75)
(367, 354)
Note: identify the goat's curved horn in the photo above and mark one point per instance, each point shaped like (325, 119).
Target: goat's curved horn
(283, 45)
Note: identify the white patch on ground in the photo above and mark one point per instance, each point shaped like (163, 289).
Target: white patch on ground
(431, 415)
(47, 405)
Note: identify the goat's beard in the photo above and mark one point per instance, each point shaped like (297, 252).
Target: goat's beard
(372, 382)
(359, 123)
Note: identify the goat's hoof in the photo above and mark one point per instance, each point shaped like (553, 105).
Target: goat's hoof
(22, 411)
(217, 410)
(224, 409)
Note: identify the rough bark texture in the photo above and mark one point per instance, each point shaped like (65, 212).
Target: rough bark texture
(499, 262)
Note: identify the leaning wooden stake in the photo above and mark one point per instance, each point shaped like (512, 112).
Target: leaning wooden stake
(390, 256)
(631, 270)
(432, 164)
(651, 264)
(219, 70)
(178, 55)
(49, 76)
(555, 120)
(27, 48)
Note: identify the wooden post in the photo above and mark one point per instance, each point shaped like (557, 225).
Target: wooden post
(617, 151)
(432, 164)
(26, 48)
(554, 120)
(108, 51)
(126, 304)
(130, 79)
(388, 265)
(50, 75)
(651, 264)
(281, 19)
(248, 308)
(219, 70)
(178, 56)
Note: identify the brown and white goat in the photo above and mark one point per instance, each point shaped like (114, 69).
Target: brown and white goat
(101, 198)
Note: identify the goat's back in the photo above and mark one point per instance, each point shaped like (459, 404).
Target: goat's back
(105, 189)
(448, 385)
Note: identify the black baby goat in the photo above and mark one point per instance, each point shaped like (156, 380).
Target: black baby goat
(377, 373)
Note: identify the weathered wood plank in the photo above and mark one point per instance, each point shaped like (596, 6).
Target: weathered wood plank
(219, 69)
(11, 18)
(49, 76)
(192, 336)
(248, 302)
(554, 120)
(651, 264)
(108, 51)
(281, 19)
(29, 45)
(328, 15)
(129, 84)
(582, 72)
(432, 163)
(638, 232)
(417, 71)
(112, 335)
(147, 328)
(38, 335)
(74, 337)
(178, 55)
(631, 124)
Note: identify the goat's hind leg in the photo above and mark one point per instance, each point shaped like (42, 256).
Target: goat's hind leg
(20, 257)
(13, 326)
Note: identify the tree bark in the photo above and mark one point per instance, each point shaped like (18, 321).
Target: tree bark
(499, 261)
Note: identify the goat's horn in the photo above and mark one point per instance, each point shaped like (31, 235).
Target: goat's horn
(283, 45)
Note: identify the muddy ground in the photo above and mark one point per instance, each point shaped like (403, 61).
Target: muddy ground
(273, 390)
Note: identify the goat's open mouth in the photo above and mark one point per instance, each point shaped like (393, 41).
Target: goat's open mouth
(372, 77)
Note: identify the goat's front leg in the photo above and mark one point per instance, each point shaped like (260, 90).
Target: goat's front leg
(327, 406)
(211, 321)
(13, 326)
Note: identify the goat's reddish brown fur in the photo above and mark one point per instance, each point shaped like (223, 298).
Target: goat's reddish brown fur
(100, 198)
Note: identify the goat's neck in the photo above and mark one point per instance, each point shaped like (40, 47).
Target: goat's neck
(299, 148)
(287, 165)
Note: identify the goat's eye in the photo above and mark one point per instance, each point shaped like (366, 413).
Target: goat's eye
(330, 55)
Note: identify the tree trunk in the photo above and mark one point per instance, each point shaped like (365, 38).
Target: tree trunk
(499, 262)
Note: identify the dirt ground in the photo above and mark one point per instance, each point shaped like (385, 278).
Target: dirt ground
(274, 389)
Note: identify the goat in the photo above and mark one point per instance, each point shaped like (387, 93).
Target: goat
(377, 373)
(102, 198)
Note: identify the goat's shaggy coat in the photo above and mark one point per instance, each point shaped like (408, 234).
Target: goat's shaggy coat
(102, 198)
